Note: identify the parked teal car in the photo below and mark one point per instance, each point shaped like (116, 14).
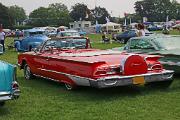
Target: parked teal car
(9, 88)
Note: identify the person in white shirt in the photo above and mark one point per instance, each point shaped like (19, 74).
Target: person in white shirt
(141, 30)
(136, 30)
(2, 38)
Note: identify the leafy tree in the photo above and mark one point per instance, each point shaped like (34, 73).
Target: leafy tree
(18, 13)
(80, 12)
(55, 15)
(5, 16)
(59, 12)
(176, 12)
(100, 14)
(39, 17)
(59, 7)
(156, 10)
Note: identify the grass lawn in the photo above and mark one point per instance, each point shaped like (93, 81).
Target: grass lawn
(47, 100)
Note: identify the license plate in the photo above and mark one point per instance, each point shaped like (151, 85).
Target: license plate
(138, 80)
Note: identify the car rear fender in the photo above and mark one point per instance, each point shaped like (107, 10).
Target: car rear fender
(17, 44)
(153, 62)
(153, 57)
(7, 76)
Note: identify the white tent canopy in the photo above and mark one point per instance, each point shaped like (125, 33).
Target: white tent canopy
(111, 24)
(111, 27)
(63, 27)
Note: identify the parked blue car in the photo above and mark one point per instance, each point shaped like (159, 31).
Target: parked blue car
(32, 38)
(9, 88)
(82, 33)
(125, 36)
(155, 27)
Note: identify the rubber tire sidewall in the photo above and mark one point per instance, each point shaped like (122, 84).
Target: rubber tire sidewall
(30, 75)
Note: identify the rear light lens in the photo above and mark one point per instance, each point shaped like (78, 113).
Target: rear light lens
(110, 70)
(15, 85)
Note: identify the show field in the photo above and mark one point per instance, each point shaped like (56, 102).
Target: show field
(43, 99)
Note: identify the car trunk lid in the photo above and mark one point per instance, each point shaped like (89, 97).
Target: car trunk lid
(131, 64)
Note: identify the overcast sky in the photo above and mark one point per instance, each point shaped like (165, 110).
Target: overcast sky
(115, 7)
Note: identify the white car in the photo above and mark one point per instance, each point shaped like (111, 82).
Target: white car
(71, 33)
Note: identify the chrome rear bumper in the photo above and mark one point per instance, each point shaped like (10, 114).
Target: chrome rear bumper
(114, 81)
(4, 96)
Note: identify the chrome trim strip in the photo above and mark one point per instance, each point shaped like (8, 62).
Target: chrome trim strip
(46, 77)
(111, 77)
(65, 74)
(79, 81)
(4, 93)
(4, 98)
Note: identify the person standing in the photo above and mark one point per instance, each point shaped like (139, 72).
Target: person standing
(141, 31)
(136, 30)
(2, 38)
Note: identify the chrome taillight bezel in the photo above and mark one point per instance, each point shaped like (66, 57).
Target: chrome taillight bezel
(108, 70)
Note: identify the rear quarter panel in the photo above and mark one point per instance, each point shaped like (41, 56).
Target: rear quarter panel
(7, 76)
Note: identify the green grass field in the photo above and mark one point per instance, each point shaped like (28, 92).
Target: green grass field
(47, 100)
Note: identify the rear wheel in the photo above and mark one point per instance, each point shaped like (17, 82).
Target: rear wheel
(123, 40)
(27, 72)
(2, 104)
(30, 48)
(160, 84)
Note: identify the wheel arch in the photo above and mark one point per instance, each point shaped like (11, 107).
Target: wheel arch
(23, 63)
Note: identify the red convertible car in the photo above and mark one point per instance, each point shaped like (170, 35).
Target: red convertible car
(73, 62)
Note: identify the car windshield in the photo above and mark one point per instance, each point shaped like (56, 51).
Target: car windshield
(27, 33)
(36, 33)
(168, 43)
(63, 34)
(66, 44)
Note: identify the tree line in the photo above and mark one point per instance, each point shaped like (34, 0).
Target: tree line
(58, 14)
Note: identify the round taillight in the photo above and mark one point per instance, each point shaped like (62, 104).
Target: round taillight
(135, 64)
